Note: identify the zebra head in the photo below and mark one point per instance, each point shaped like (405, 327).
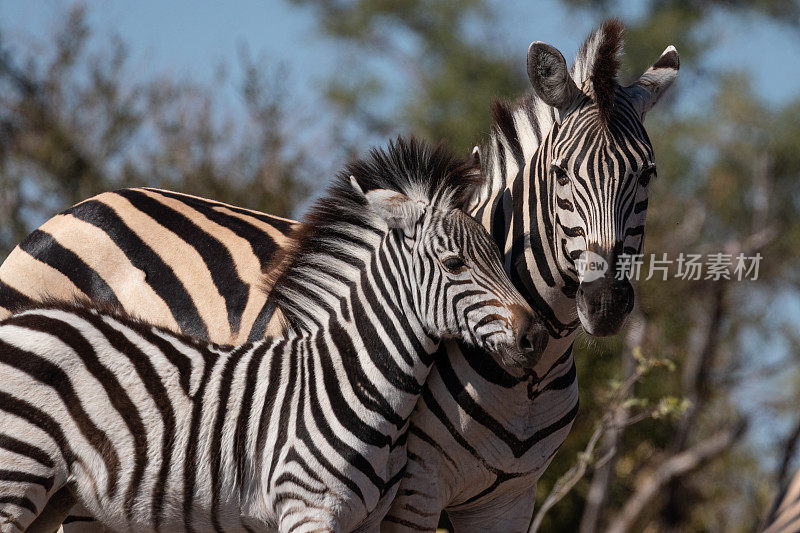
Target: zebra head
(600, 162)
(451, 266)
(390, 238)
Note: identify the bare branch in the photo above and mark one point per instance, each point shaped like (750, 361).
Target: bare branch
(566, 482)
(789, 449)
(601, 480)
(698, 367)
(615, 418)
(647, 486)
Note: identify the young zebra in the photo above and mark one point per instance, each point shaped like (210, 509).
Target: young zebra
(567, 170)
(152, 430)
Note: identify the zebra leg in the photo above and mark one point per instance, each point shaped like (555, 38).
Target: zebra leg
(507, 514)
(54, 512)
(80, 520)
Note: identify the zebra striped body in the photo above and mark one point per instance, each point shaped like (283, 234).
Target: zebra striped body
(194, 264)
(151, 430)
(185, 423)
(482, 433)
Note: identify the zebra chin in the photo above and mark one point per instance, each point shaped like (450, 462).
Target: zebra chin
(509, 354)
(515, 357)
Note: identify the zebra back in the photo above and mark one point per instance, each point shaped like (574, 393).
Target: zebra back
(194, 264)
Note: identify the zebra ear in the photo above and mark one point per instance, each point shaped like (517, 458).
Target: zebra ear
(396, 209)
(550, 78)
(475, 157)
(652, 85)
(356, 186)
(475, 164)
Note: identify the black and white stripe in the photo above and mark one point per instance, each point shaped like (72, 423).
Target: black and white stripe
(483, 434)
(193, 263)
(560, 181)
(152, 430)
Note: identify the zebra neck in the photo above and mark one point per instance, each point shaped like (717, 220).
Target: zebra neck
(365, 321)
(517, 204)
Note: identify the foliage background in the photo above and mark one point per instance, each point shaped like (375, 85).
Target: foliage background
(79, 116)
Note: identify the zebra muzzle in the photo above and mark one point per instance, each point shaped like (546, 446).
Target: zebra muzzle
(604, 305)
(530, 335)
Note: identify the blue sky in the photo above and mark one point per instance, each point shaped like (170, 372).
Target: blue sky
(193, 38)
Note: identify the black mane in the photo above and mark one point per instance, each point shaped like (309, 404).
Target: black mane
(598, 61)
(606, 65)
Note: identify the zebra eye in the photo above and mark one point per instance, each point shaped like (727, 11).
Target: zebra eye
(646, 175)
(454, 264)
(561, 175)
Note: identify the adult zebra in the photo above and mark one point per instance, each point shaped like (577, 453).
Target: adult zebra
(152, 430)
(784, 517)
(567, 170)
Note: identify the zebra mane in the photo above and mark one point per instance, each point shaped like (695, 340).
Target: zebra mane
(432, 175)
(598, 62)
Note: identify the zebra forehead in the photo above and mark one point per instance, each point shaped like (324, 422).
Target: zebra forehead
(585, 134)
(465, 233)
(607, 167)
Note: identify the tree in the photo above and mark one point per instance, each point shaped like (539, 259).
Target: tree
(452, 78)
(75, 122)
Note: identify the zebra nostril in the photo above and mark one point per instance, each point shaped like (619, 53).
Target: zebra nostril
(528, 342)
(530, 335)
(534, 341)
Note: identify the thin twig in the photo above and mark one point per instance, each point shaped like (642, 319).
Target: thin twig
(565, 483)
(677, 465)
